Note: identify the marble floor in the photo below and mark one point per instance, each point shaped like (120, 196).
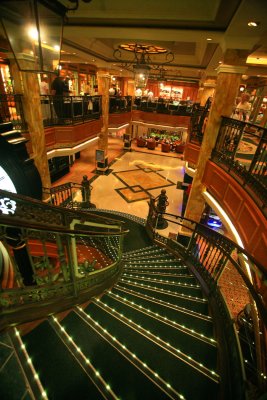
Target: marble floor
(134, 178)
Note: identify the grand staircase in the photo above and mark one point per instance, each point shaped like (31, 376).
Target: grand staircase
(133, 327)
(149, 337)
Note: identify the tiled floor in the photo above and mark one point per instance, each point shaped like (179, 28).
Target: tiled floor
(135, 177)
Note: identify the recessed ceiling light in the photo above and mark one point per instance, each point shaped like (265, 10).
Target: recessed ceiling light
(209, 38)
(253, 23)
(220, 62)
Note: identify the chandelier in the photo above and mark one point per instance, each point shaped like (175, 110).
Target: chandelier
(141, 62)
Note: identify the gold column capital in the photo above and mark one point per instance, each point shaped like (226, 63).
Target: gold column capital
(231, 69)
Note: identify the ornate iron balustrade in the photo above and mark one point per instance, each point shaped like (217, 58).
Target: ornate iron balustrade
(241, 148)
(55, 257)
(163, 106)
(214, 259)
(197, 125)
(120, 104)
(66, 195)
(67, 110)
(11, 110)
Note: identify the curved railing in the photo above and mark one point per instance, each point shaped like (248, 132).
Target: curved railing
(241, 148)
(60, 257)
(67, 194)
(229, 276)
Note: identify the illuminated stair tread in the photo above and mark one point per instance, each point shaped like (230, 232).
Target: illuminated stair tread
(178, 338)
(179, 374)
(122, 376)
(61, 377)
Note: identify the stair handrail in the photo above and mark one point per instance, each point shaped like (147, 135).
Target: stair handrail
(45, 257)
(26, 208)
(208, 253)
(63, 194)
(218, 240)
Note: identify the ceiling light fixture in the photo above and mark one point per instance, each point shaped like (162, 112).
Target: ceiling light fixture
(253, 23)
(33, 29)
(141, 62)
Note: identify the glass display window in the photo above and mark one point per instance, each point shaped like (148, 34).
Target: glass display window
(6, 80)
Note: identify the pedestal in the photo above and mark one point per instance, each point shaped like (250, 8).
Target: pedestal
(127, 145)
(161, 223)
(102, 166)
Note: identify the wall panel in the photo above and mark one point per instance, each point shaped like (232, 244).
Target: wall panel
(191, 153)
(246, 216)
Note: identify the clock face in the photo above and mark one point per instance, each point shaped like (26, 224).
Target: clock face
(5, 182)
(7, 206)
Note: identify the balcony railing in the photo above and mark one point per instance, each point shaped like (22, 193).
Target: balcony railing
(120, 104)
(197, 125)
(67, 110)
(163, 106)
(11, 110)
(241, 149)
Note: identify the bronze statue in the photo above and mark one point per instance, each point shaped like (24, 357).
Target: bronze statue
(86, 189)
(162, 201)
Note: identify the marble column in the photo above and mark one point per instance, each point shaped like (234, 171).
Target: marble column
(103, 79)
(131, 88)
(264, 118)
(208, 91)
(199, 94)
(228, 81)
(27, 82)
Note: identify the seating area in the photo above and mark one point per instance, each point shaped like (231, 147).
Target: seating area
(166, 143)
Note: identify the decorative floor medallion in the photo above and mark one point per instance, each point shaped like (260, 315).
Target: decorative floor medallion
(138, 182)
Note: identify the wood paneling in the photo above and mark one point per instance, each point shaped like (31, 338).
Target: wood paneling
(161, 119)
(120, 119)
(191, 153)
(71, 135)
(247, 218)
(232, 197)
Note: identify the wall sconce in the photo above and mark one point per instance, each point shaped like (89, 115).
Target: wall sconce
(34, 32)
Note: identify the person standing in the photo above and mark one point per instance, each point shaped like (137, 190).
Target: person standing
(57, 90)
(243, 108)
(44, 87)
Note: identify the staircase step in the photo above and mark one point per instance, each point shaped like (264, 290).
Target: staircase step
(6, 126)
(161, 273)
(146, 257)
(115, 365)
(182, 299)
(188, 340)
(184, 374)
(61, 376)
(178, 286)
(141, 250)
(184, 316)
(149, 263)
(11, 134)
(13, 386)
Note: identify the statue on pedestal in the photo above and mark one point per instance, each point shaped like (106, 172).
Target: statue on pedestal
(86, 192)
(162, 203)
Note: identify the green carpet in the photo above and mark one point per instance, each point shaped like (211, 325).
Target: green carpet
(137, 236)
